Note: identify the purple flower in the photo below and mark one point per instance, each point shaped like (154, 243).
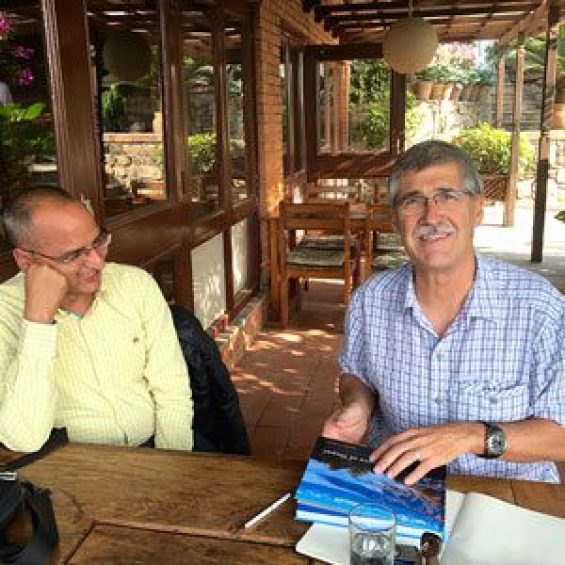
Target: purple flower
(21, 52)
(6, 25)
(25, 78)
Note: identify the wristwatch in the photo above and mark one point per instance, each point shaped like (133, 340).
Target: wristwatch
(495, 441)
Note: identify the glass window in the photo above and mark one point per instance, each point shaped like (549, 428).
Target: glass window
(297, 59)
(326, 108)
(286, 127)
(27, 142)
(369, 106)
(235, 108)
(292, 91)
(199, 92)
(125, 41)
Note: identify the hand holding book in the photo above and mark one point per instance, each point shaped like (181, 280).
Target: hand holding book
(340, 475)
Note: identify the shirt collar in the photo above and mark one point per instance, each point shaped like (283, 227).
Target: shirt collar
(482, 298)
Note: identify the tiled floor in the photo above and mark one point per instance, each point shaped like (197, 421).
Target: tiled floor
(287, 379)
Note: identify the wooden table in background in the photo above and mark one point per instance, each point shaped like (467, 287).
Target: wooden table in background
(359, 226)
(148, 506)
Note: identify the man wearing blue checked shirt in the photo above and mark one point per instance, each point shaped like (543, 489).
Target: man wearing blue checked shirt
(454, 358)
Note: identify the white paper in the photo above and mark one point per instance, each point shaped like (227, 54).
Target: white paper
(488, 531)
(326, 543)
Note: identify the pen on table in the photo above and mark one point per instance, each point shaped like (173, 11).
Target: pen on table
(267, 511)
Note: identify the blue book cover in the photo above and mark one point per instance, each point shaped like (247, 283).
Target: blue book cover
(340, 475)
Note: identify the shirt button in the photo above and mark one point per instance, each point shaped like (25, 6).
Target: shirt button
(493, 400)
(437, 400)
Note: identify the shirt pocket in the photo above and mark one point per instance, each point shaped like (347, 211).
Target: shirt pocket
(492, 402)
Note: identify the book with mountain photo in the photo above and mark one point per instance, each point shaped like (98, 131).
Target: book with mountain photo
(340, 475)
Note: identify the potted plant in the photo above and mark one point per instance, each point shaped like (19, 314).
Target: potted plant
(440, 74)
(458, 82)
(490, 149)
(423, 84)
(469, 78)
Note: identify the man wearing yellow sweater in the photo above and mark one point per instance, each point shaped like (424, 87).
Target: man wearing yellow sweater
(84, 345)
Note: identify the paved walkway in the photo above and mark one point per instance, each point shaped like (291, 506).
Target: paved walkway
(287, 381)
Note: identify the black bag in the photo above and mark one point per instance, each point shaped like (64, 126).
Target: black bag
(16, 495)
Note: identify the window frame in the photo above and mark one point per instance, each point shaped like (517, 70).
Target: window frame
(342, 164)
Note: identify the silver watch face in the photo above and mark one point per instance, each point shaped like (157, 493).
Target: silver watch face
(496, 442)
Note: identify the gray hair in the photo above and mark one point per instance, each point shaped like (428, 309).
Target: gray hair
(434, 152)
(17, 216)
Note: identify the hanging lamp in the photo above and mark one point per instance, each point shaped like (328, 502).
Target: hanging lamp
(410, 44)
(127, 55)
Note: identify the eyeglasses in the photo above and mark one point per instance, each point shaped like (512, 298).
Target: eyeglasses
(99, 245)
(443, 199)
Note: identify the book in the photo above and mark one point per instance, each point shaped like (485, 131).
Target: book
(340, 475)
(474, 536)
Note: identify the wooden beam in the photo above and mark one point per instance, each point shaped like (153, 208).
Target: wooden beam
(527, 25)
(428, 12)
(500, 75)
(345, 52)
(548, 101)
(440, 20)
(402, 6)
(307, 5)
(516, 118)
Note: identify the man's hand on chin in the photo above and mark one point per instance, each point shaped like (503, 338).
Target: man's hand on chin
(45, 288)
(431, 447)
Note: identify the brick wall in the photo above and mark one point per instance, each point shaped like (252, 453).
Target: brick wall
(274, 17)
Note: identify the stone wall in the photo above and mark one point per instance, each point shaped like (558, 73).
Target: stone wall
(556, 182)
(133, 159)
(443, 119)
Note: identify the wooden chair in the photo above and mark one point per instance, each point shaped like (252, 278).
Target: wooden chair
(295, 261)
(386, 247)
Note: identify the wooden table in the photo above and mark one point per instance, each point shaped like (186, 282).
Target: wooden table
(148, 506)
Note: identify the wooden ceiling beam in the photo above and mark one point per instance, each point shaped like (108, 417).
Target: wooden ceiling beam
(508, 5)
(527, 25)
(308, 5)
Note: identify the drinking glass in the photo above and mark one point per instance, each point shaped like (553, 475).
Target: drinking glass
(372, 530)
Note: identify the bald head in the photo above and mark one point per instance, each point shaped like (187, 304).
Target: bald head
(20, 214)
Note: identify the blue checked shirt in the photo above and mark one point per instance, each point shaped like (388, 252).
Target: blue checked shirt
(501, 360)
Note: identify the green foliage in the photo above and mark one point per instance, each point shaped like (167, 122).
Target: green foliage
(369, 80)
(370, 101)
(490, 150)
(24, 139)
(113, 109)
(202, 148)
(534, 54)
(560, 215)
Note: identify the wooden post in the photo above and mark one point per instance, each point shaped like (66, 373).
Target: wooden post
(500, 90)
(510, 199)
(548, 101)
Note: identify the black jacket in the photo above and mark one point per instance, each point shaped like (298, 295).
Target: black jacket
(218, 423)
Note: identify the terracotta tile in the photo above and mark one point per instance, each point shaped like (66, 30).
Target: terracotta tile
(287, 379)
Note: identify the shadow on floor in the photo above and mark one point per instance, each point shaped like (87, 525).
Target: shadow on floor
(287, 379)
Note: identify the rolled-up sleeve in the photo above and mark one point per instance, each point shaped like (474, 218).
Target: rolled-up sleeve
(548, 382)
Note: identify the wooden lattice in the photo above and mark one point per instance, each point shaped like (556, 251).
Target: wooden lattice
(495, 187)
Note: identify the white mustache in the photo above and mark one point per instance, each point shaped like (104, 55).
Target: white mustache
(430, 230)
